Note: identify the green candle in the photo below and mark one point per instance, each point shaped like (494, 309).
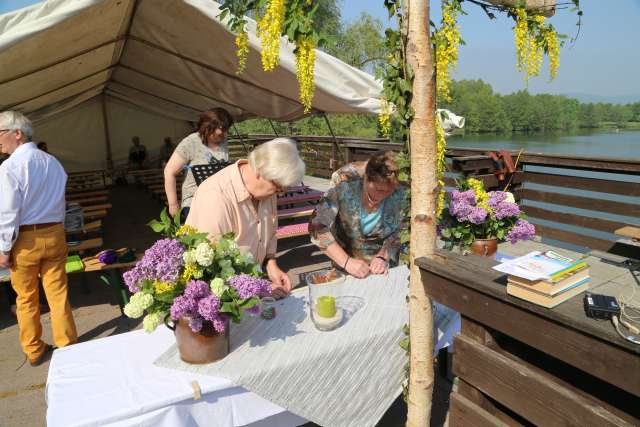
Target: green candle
(326, 306)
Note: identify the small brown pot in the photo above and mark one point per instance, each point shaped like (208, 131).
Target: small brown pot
(484, 247)
(201, 347)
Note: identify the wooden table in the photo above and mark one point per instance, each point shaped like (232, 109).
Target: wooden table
(519, 363)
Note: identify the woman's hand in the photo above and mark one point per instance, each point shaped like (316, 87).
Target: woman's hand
(379, 266)
(280, 282)
(357, 268)
(174, 208)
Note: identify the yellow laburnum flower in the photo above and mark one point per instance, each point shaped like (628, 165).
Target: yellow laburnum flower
(384, 117)
(441, 165)
(242, 43)
(269, 30)
(186, 230)
(162, 287)
(305, 63)
(553, 52)
(189, 271)
(521, 34)
(447, 43)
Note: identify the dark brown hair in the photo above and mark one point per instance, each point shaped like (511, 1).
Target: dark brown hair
(381, 167)
(212, 119)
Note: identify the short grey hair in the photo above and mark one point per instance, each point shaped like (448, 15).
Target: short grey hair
(278, 160)
(15, 120)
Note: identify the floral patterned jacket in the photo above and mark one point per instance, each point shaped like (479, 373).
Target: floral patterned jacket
(337, 217)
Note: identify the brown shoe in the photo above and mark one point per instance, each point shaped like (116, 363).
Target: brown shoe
(48, 348)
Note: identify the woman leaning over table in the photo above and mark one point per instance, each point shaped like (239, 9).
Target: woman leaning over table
(358, 220)
(198, 148)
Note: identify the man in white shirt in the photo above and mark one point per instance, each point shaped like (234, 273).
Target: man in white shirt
(32, 237)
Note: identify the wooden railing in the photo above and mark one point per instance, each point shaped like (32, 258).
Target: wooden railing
(577, 200)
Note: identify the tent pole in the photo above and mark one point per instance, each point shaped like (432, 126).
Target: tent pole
(241, 138)
(273, 127)
(335, 149)
(106, 133)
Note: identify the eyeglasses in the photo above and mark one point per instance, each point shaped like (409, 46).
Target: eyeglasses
(217, 125)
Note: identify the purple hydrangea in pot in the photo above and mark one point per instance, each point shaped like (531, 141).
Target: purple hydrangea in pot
(476, 220)
(196, 287)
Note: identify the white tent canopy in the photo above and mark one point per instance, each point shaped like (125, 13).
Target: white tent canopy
(93, 73)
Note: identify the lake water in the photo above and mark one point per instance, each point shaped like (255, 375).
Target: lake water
(599, 144)
(622, 144)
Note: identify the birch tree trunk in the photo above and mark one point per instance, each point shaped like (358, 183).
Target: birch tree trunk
(423, 199)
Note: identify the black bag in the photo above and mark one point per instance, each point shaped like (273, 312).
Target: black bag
(202, 172)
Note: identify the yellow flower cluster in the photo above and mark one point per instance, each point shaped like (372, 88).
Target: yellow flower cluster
(441, 144)
(482, 197)
(242, 43)
(162, 287)
(189, 271)
(305, 63)
(269, 30)
(447, 42)
(384, 117)
(186, 230)
(530, 42)
(553, 52)
(529, 51)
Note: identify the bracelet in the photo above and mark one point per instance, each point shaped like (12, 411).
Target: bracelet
(344, 267)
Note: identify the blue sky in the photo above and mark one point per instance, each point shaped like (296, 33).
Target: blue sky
(605, 60)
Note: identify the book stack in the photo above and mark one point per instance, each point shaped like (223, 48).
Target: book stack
(546, 279)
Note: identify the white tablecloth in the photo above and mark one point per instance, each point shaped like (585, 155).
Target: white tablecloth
(113, 381)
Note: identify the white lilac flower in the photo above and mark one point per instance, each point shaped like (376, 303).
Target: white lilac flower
(152, 320)
(510, 198)
(133, 310)
(189, 257)
(218, 286)
(204, 254)
(143, 299)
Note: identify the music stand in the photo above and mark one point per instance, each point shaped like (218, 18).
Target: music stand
(202, 172)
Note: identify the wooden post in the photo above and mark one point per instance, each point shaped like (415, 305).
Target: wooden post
(105, 122)
(423, 200)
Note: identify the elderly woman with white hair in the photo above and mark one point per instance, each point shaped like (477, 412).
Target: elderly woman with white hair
(242, 199)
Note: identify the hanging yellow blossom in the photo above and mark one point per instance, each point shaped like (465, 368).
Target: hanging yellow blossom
(242, 43)
(269, 30)
(553, 52)
(447, 40)
(441, 165)
(384, 117)
(305, 62)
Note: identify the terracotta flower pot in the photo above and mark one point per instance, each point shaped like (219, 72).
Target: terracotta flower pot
(484, 247)
(201, 347)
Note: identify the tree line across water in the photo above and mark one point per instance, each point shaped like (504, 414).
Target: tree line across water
(485, 112)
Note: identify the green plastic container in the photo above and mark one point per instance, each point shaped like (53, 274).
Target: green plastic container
(74, 263)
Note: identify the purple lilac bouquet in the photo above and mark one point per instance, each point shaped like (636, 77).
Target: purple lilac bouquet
(186, 276)
(472, 213)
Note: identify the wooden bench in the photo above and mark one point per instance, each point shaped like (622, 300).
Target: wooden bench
(86, 245)
(297, 212)
(70, 196)
(88, 228)
(292, 230)
(310, 197)
(90, 200)
(105, 206)
(95, 214)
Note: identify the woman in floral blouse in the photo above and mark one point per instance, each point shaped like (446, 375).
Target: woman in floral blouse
(358, 220)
